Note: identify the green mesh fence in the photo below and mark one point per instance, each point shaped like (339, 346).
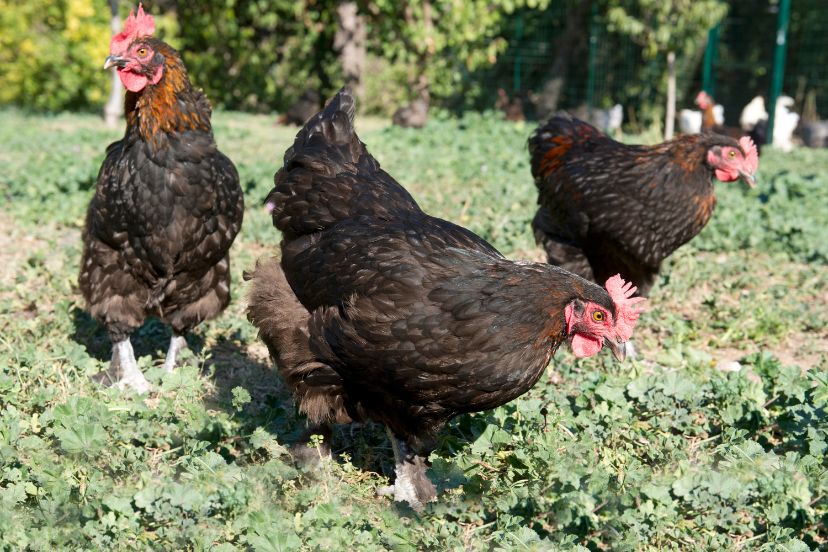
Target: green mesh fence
(745, 56)
(604, 68)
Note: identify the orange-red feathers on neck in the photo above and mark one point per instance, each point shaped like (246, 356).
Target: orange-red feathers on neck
(169, 106)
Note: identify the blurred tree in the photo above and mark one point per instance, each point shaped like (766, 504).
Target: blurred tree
(259, 55)
(569, 43)
(349, 42)
(663, 27)
(439, 40)
(52, 52)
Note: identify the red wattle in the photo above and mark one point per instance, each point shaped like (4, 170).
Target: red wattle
(727, 176)
(585, 346)
(132, 81)
(135, 82)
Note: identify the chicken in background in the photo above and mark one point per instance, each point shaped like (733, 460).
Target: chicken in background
(302, 109)
(753, 113)
(379, 311)
(413, 115)
(608, 208)
(512, 108)
(691, 120)
(814, 134)
(713, 120)
(609, 121)
(812, 131)
(712, 113)
(785, 122)
(166, 209)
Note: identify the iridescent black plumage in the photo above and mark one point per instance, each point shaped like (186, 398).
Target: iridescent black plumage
(166, 209)
(403, 318)
(609, 208)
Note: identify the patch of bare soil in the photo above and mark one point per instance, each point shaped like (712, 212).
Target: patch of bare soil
(805, 348)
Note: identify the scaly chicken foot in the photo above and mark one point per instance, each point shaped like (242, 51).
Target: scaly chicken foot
(177, 343)
(124, 364)
(632, 354)
(411, 484)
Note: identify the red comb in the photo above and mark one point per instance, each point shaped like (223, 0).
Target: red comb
(703, 99)
(134, 27)
(751, 155)
(626, 313)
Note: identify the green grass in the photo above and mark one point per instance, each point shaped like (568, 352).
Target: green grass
(668, 452)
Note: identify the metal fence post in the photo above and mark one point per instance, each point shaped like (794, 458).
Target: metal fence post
(710, 54)
(593, 52)
(778, 76)
(516, 84)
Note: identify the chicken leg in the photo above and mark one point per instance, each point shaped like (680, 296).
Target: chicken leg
(411, 484)
(124, 364)
(177, 343)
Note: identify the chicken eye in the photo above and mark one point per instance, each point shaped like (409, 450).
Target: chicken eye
(598, 316)
(732, 154)
(142, 51)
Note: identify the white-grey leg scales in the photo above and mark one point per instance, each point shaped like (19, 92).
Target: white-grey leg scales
(177, 343)
(389, 489)
(129, 375)
(411, 484)
(632, 354)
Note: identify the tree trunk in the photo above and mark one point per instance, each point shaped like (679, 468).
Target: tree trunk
(423, 86)
(566, 46)
(114, 108)
(670, 117)
(349, 41)
(415, 114)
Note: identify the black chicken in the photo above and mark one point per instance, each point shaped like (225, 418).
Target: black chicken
(305, 107)
(609, 208)
(166, 208)
(380, 311)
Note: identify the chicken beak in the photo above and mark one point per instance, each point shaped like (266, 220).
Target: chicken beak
(114, 61)
(749, 179)
(618, 348)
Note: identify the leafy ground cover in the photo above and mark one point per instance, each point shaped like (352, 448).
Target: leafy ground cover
(680, 449)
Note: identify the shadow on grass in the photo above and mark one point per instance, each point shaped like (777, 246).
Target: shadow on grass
(151, 339)
(272, 408)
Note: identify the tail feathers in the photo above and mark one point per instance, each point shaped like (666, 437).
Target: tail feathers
(283, 326)
(551, 142)
(328, 176)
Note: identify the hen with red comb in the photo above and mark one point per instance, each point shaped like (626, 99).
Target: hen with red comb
(609, 208)
(166, 209)
(379, 311)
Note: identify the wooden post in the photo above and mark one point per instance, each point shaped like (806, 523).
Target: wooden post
(670, 117)
(114, 108)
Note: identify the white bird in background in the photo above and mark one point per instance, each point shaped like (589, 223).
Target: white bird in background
(690, 120)
(609, 120)
(784, 124)
(752, 113)
(718, 114)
